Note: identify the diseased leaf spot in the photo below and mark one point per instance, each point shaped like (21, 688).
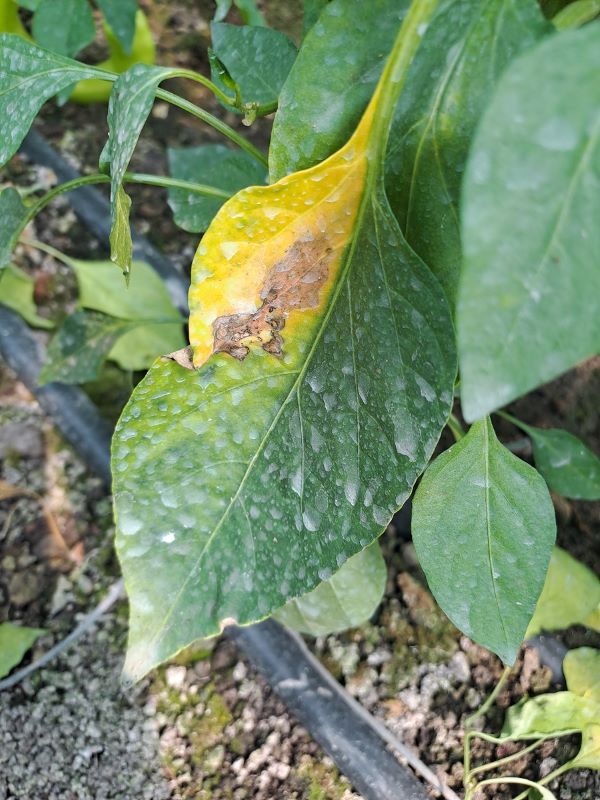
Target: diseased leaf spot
(294, 283)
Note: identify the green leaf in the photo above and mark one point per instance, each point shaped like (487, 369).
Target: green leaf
(215, 165)
(571, 593)
(120, 15)
(483, 521)
(30, 5)
(146, 298)
(312, 9)
(344, 601)
(16, 292)
(548, 715)
(465, 49)
(130, 103)
(257, 59)
(15, 641)
(28, 77)
(13, 217)
(569, 467)
(576, 14)
(64, 26)
(247, 8)
(275, 469)
(81, 345)
(582, 672)
(320, 107)
(527, 307)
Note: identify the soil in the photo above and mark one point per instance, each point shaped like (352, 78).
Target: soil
(207, 726)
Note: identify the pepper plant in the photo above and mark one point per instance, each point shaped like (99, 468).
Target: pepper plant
(424, 244)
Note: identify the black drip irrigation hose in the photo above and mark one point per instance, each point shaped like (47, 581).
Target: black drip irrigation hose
(348, 734)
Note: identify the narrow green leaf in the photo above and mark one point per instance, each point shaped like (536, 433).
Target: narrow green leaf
(571, 593)
(271, 465)
(344, 601)
(258, 59)
(28, 77)
(130, 103)
(15, 641)
(465, 49)
(483, 521)
(13, 216)
(81, 345)
(569, 467)
(63, 26)
(576, 14)
(16, 292)
(146, 298)
(215, 165)
(120, 15)
(528, 301)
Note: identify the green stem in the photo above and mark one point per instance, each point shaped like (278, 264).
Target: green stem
(215, 123)
(491, 699)
(260, 109)
(455, 427)
(130, 177)
(506, 760)
(516, 422)
(519, 781)
(549, 778)
(394, 75)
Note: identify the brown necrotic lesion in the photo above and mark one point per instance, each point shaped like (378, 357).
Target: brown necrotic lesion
(293, 283)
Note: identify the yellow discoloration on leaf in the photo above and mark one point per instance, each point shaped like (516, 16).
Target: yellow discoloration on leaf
(272, 255)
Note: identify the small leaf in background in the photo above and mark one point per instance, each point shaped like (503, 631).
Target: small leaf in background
(528, 299)
(323, 348)
(64, 26)
(319, 108)
(15, 641)
(16, 292)
(130, 103)
(81, 345)
(13, 215)
(577, 709)
(344, 601)
(466, 48)
(120, 15)
(146, 298)
(576, 14)
(571, 594)
(569, 467)
(29, 76)
(248, 11)
(215, 165)
(483, 521)
(257, 59)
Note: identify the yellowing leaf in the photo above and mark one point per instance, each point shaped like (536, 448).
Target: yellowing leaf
(582, 672)
(273, 255)
(325, 366)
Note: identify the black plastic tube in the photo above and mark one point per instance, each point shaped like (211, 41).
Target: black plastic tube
(347, 734)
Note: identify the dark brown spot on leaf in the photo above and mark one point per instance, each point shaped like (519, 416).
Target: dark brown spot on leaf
(294, 282)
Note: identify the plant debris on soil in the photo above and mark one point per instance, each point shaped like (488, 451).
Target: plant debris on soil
(207, 726)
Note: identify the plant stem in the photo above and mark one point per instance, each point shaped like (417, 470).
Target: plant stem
(506, 760)
(490, 700)
(214, 122)
(455, 427)
(520, 781)
(549, 778)
(516, 422)
(259, 110)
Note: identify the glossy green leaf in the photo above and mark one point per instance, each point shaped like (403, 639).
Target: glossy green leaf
(213, 164)
(483, 521)
(248, 11)
(569, 467)
(16, 292)
(576, 14)
(332, 79)
(344, 601)
(63, 26)
(81, 345)
(120, 15)
(13, 216)
(28, 77)
(465, 49)
(15, 641)
(275, 470)
(528, 301)
(571, 593)
(257, 59)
